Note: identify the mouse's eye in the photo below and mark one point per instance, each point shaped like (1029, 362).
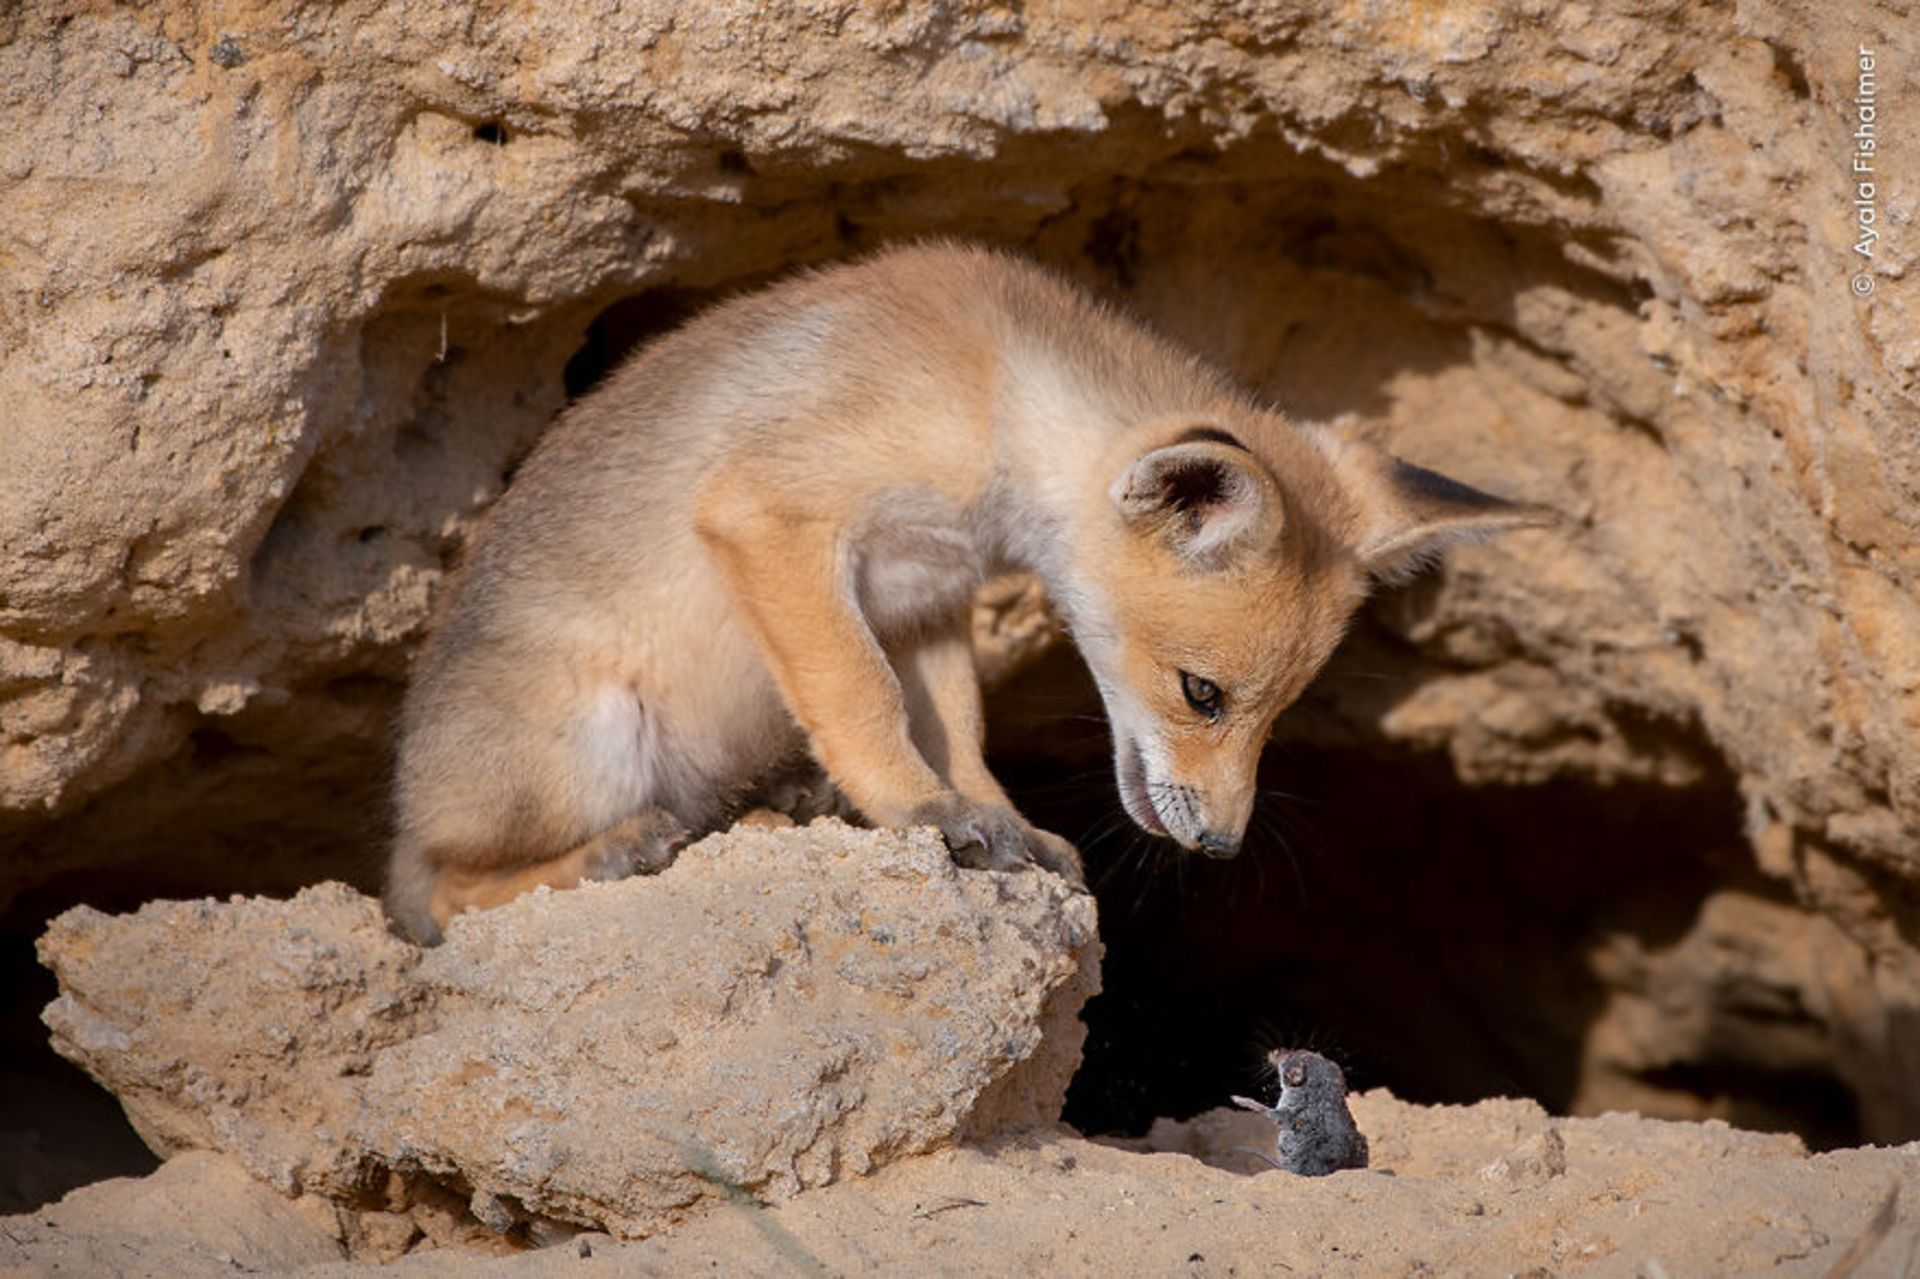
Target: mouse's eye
(1295, 1074)
(1202, 694)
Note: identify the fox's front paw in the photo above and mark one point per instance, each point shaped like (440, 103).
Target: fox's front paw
(1057, 855)
(980, 836)
(994, 837)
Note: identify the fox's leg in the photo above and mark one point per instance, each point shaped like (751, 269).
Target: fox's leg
(829, 668)
(789, 577)
(643, 844)
(941, 690)
(509, 778)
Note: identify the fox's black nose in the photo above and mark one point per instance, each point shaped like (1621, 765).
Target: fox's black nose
(1215, 844)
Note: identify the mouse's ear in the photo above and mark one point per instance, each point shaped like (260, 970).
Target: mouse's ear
(1408, 514)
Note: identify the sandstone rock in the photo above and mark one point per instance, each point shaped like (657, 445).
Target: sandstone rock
(779, 1010)
(1750, 980)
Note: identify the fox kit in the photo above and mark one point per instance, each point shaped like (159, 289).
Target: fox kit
(761, 538)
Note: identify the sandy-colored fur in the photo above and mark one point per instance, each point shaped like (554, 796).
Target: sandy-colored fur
(760, 537)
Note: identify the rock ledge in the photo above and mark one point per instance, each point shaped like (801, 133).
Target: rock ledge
(780, 1009)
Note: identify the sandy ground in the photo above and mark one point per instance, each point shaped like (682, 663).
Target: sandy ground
(1497, 1188)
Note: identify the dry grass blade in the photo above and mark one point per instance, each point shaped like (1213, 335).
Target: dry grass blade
(1877, 1227)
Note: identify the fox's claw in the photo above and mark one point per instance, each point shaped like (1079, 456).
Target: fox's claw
(980, 836)
(993, 837)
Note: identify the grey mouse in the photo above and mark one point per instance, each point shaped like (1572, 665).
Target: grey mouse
(1317, 1132)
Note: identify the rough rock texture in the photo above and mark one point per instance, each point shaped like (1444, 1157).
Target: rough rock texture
(1497, 1188)
(286, 293)
(779, 1010)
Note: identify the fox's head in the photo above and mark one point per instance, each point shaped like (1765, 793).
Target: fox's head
(1220, 564)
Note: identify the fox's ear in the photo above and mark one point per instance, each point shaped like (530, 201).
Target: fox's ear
(1408, 514)
(1207, 500)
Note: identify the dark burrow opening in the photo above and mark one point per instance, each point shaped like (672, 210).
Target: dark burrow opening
(257, 805)
(623, 327)
(1431, 936)
(58, 1130)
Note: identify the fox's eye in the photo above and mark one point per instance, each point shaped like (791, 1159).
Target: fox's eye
(1202, 694)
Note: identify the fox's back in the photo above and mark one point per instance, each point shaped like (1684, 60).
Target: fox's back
(625, 464)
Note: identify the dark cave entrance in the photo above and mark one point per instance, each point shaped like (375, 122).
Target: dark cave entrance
(1430, 936)
(623, 327)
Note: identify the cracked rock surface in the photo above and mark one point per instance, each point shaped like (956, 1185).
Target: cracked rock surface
(779, 1010)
